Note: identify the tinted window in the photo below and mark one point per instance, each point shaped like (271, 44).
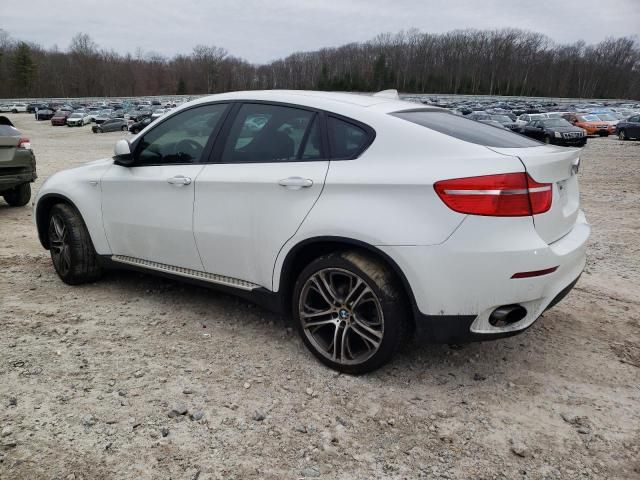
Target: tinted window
(271, 133)
(467, 130)
(346, 139)
(180, 139)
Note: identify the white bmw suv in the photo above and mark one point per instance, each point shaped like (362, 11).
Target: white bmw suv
(364, 217)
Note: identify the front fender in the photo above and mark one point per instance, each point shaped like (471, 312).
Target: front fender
(79, 187)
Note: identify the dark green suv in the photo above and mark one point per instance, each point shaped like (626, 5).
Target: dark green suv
(17, 165)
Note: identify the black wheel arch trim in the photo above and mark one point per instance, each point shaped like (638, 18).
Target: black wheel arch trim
(41, 219)
(286, 282)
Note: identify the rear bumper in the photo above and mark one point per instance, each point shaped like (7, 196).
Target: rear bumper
(457, 285)
(458, 328)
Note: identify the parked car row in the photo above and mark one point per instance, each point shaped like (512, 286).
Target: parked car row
(553, 124)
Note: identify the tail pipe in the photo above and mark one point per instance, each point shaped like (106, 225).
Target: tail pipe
(507, 315)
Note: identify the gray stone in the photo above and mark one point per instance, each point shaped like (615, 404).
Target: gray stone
(88, 420)
(518, 447)
(259, 416)
(311, 472)
(178, 410)
(197, 415)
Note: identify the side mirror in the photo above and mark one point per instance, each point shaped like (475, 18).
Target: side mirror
(122, 153)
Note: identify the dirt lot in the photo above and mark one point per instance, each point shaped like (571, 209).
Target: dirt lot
(90, 375)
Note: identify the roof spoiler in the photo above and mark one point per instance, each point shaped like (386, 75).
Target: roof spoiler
(390, 94)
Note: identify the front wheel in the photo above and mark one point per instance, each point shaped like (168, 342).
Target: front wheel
(622, 135)
(124, 128)
(18, 196)
(350, 312)
(72, 252)
(547, 139)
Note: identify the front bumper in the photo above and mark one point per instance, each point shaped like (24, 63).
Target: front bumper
(458, 284)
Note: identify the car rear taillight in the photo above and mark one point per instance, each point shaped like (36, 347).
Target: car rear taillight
(24, 143)
(502, 195)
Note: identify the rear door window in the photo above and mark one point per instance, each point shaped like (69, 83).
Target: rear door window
(466, 130)
(272, 133)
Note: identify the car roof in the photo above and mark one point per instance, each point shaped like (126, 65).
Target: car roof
(332, 101)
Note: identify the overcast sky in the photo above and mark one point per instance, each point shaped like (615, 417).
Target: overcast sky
(260, 31)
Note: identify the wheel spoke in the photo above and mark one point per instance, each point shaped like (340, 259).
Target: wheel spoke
(66, 257)
(353, 289)
(367, 334)
(343, 343)
(364, 292)
(319, 323)
(306, 315)
(317, 286)
(335, 342)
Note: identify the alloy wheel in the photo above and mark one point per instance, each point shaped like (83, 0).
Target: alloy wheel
(60, 249)
(341, 316)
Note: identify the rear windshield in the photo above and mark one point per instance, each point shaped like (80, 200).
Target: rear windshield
(467, 130)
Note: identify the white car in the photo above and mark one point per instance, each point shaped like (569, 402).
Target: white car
(363, 217)
(14, 107)
(78, 119)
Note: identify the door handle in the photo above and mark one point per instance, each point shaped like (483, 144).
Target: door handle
(295, 183)
(179, 180)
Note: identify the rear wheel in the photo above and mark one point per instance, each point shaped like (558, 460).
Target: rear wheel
(622, 135)
(72, 252)
(124, 128)
(350, 312)
(547, 139)
(18, 196)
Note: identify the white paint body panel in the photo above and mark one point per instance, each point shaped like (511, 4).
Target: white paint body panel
(243, 217)
(146, 217)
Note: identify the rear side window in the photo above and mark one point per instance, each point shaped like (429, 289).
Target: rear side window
(347, 140)
(467, 130)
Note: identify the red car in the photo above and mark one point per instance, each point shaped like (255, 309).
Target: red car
(60, 117)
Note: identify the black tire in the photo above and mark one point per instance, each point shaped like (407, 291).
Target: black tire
(124, 128)
(72, 252)
(547, 139)
(622, 135)
(387, 307)
(134, 130)
(18, 196)
(14, 111)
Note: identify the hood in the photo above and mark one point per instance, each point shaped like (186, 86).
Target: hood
(564, 129)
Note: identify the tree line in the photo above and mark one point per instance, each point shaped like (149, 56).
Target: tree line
(477, 62)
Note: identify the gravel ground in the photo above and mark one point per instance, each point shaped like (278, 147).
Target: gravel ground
(141, 377)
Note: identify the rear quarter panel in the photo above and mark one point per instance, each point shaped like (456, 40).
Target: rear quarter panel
(386, 196)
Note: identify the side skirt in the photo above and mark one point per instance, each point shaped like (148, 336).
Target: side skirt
(254, 293)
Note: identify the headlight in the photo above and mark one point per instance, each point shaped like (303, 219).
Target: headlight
(557, 135)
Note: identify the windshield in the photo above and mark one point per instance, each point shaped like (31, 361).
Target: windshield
(588, 118)
(605, 117)
(556, 122)
(76, 115)
(466, 130)
(501, 118)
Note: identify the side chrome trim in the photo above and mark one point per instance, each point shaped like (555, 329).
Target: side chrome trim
(522, 191)
(186, 272)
